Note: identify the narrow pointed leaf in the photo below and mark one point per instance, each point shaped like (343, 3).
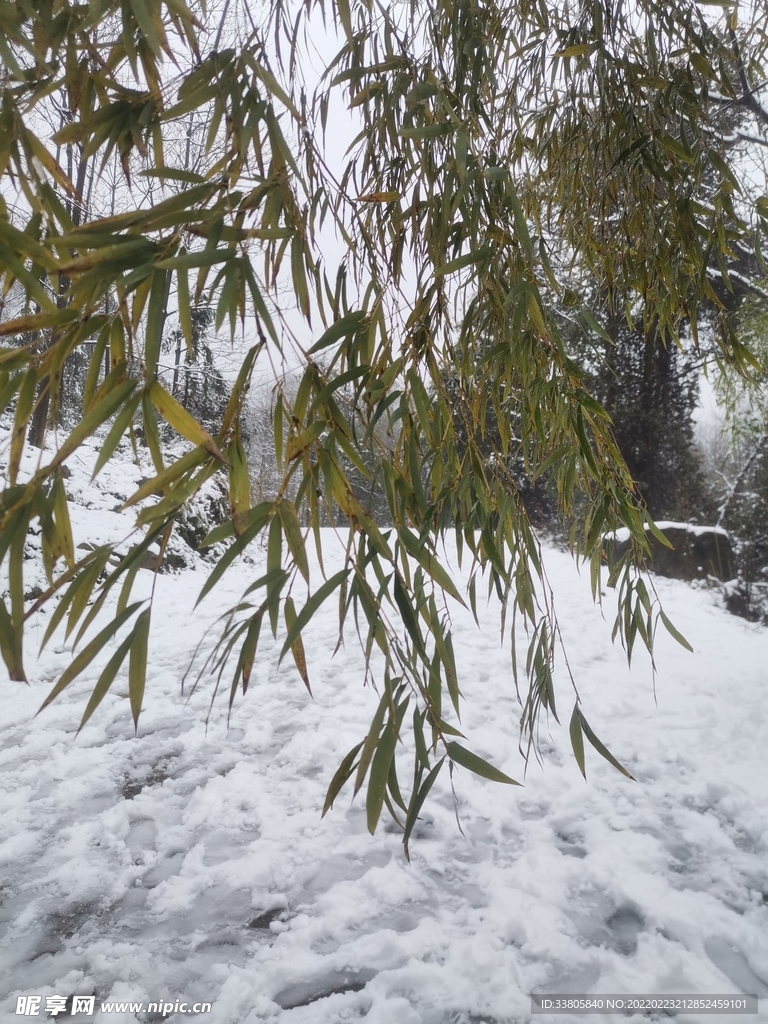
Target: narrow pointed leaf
(600, 747)
(137, 669)
(86, 656)
(477, 764)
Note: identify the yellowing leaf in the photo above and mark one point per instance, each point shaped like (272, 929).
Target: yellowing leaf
(183, 422)
(297, 647)
(239, 485)
(380, 197)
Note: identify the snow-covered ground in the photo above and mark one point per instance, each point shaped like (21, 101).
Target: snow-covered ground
(192, 864)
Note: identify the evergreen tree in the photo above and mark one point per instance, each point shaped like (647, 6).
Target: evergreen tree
(195, 381)
(650, 390)
(739, 478)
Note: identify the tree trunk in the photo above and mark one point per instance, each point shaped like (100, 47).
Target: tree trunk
(40, 416)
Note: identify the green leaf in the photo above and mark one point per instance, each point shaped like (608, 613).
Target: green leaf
(174, 174)
(260, 516)
(429, 131)
(476, 764)
(315, 601)
(377, 784)
(160, 483)
(467, 260)
(185, 308)
(341, 328)
(21, 417)
(274, 565)
(297, 647)
(86, 656)
(724, 169)
(596, 326)
(87, 426)
(340, 777)
(670, 628)
(418, 736)
(600, 747)
(107, 677)
(200, 258)
(248, 651)
(182, 421)
(417, 802)
(83, 588)
(122, 422)
(292, 531)
(137, 669)
(650, 525)
(9, 646)
(274, 87)
(158, 298)
(371, 741)
(405, 607)
(239, 484)
(417, 549)
(577, 741)
(239, 390)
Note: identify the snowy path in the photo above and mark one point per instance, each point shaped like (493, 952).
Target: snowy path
(181, 864)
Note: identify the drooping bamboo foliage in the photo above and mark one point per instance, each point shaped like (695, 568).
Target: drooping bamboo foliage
(504, 151)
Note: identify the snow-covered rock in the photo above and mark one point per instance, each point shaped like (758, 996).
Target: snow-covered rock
(697, 552)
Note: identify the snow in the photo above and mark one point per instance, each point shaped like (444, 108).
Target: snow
(621, 535)
(192, 863)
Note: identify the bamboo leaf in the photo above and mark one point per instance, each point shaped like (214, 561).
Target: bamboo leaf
(370, 743)
(297, 647)
(723, 169)
(86, 656)
(275, 88)
(160, 483)
(9, 646)
(174, 174)
(292, 532)
(183, 423)
(476, 764)
(658, 534)
(20, 420)
(137, 668)
(309, 609)
(239, 390)
(377, 784)
(33, 322)
(89, 423)
(467, 260)
(577, 741)
(340, 777)
(429, 131)
(185, 307)
(429, 562)
(417, 802)
(341, 328)
(379, 197)
(83, 588)
(122, 422)
(600, 747)
(65, 545)
(248, 651)
(274, 565)
(260, 516)
(670, 628)
(106, 678)
(239, 484)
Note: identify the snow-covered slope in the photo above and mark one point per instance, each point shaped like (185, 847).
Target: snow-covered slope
(192, 864)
